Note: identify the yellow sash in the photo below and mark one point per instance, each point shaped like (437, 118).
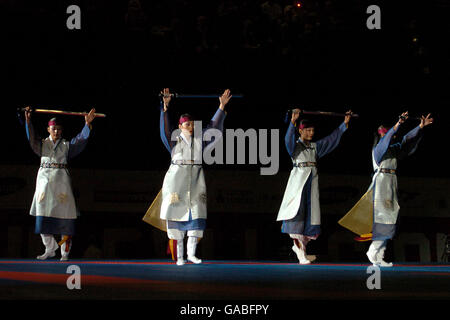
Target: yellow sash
(360, 218)
(152, 214)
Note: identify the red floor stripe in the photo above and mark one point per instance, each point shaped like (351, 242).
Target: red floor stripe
(431, 273)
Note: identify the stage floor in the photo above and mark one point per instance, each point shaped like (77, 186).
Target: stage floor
(218, 280)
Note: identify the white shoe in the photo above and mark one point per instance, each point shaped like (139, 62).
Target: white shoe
(371, 256)
(306, 261)
(383, 263)
(372, 253)
(311, 257)
(300, 255)
(181, 262)
(49, 253)
(64, 257)
(380, 258)
(194, 259)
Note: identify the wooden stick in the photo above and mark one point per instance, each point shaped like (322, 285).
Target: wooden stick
(65, 113)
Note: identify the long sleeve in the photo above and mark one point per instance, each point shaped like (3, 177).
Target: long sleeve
(410, 142)
(329, 143)
(77, 144)
(217, 122)
(35, 142)
(289, 139)
(383, 145)
(165, 129)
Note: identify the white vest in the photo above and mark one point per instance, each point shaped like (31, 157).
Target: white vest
(53, 196)
(184, 186)
(386, 207)
(297, 179)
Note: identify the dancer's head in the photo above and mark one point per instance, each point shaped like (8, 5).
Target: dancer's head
(306, 130)
(382, 130)
(186, 124)
(55, 128)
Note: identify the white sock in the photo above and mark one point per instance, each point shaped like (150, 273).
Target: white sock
(180, 252)
(192, 248)
(374, 248)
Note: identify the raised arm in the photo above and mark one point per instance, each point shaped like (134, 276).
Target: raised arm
(411, 140)
(35, 142)
(329, 143)
(219, 117)
(385, 141)
(383, 145)
(217, 121)
(165, 129)
(290, 137)
(77, 144)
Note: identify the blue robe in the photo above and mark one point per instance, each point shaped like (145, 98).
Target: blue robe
(303, 221)
(166, 133)
(385, 192)
(53, 201)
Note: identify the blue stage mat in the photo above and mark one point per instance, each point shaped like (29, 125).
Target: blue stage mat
(163, 279)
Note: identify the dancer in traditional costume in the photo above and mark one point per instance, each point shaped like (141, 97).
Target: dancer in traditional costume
(53, 202)
(183, 203)
(300, 207)
(374, 217)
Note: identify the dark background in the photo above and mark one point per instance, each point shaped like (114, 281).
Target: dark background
(317, 57)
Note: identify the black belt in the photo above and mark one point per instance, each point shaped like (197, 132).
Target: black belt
(304, 164)
(49, 165)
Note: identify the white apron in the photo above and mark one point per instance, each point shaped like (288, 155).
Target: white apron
(385, 206)
(297, 179)
(53, 196)
(184, 186)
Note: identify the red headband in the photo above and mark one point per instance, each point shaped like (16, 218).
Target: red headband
(303, 126)
(51, 123)
(382, 130)
(184, 119)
